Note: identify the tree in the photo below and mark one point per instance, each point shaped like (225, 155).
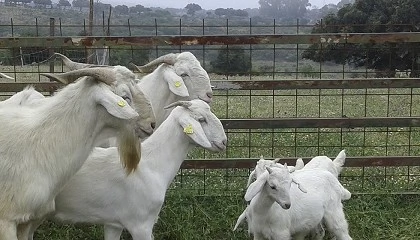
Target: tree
(192, 8)
(367, 16)
(283, 9)
(64, 3)
(80, 4)
(231, 61)
(43, 3)
(139, 9)
(121, 9)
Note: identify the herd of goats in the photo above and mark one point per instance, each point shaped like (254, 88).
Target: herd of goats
(105, 148)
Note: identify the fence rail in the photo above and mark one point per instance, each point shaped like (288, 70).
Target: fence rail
(274, 111)
(147, 41)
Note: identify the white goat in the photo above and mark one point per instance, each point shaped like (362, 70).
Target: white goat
(43, 145)
(101, 193)
(280, 210)
(323, 162)
(262, 164)
(318, 162)
(2, 75)
(179, 77)
(27, 96)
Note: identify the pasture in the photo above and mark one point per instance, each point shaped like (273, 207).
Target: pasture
(204, 203)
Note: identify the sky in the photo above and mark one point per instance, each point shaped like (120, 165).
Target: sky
(205, 4)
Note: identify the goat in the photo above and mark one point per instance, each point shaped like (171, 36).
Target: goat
(323, 162)
(2, 75)
(101, 193)
(278, 209)
(27, 96)
(262, 164)
(43, 145)
(178, 77)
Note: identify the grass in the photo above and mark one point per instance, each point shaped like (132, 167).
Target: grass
(204, 204)
(391, 217)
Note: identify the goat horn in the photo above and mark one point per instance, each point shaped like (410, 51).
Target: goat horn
(103, 74)
(73, 65)
(185, 104)
(168, 59)
(276, 160)
(2, 75)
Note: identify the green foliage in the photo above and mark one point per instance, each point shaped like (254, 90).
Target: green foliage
(232, 61)
(80, 4)
(124, 57)
(309, 71)
(368, 16)
(64, 3)
(288, 10)
(121, 9)
(192, 8)
(42, 2)
(230, 12)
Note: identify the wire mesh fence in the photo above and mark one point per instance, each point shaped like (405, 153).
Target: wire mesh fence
(313, 113)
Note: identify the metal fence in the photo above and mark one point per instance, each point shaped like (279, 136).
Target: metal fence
(284, 106)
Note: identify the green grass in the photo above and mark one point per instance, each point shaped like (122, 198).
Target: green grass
(391, 217)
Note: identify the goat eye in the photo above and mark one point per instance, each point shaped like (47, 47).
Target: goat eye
(184, 75)
(202, 120)
(273, 187)
(126, 98)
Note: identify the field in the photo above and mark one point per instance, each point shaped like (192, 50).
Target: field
(204, 204)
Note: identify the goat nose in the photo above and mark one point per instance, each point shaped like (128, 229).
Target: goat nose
(224, 142)
(153, 125)
(287, 205)
(209, 94)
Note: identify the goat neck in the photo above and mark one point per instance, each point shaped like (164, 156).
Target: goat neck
(170, 150)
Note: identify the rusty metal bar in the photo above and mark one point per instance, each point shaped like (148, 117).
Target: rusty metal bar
(289, 84)
(272, 123)
(39, 86)
(371, 161)
(148, 41)
(352, 83)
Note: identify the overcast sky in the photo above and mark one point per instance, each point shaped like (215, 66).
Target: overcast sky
(205, 4)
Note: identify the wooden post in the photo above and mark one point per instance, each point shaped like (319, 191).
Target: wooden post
(51, 50)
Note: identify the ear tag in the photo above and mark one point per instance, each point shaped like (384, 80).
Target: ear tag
(189, 129)
(121, 103)
(178, 84)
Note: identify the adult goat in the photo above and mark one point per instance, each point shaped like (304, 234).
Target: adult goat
(101, 193)
(44, 144)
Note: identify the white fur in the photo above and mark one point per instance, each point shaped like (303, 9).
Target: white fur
(24, 97)
(43, 145)
(192, 80)
(323, 162)
(286, 211)
(101, 193)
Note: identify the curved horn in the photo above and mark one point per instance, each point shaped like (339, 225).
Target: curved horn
(168, 59)
(2, 75)
(103, 74)
(71, 64)
(185, 104)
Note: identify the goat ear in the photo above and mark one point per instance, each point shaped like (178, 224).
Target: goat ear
(256, 186)
(114, 104)
(299, 164)
(251, 175)
(194, 130)
(175, 83)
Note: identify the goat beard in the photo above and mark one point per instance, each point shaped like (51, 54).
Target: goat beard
(129, 149)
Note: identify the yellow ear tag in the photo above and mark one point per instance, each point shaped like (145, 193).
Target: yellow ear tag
(188, 129)
(121, 103)
(178, 84)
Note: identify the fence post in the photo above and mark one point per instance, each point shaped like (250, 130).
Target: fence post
(51, 50)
